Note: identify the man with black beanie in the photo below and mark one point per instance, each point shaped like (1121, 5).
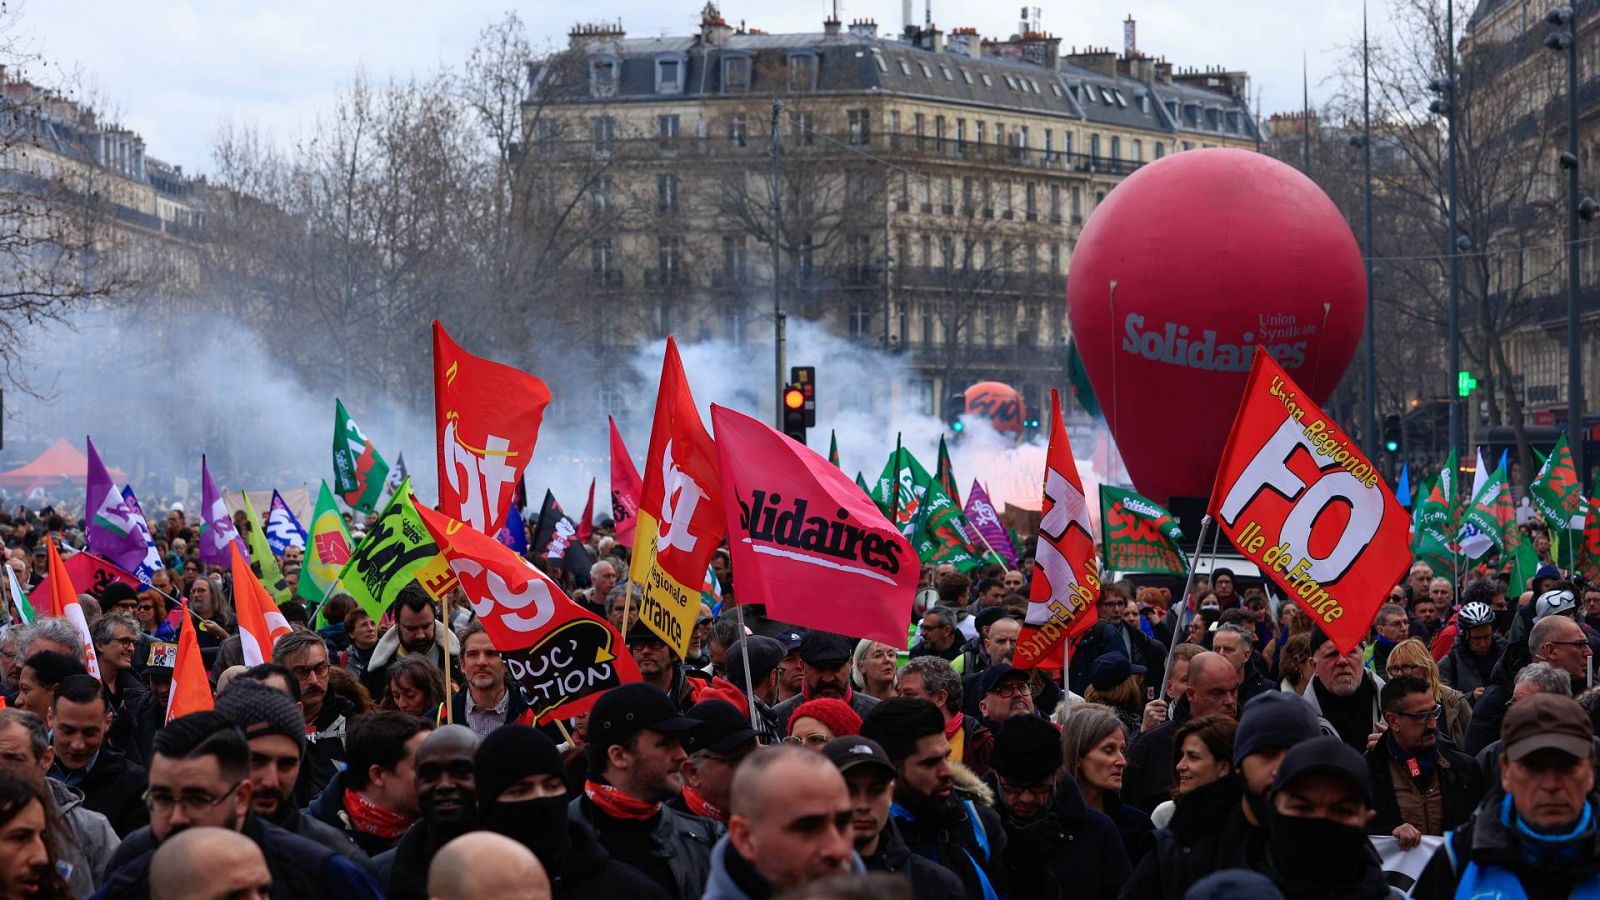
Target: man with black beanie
(1317, 846)
(1222, 825)
(522, 794)
(1053, 839)
(276, 730)
(447, 797)
(949, 827)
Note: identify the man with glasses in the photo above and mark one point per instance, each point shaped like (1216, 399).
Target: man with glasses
(715, 749)
(134, 714)
(1555, 639)
(1391, 626)
(869, 776)
(1112, 632)
(1341, 691)
(305, 655)
(1434, 786)
(1003, 694)
(200, 777)
(941, 635)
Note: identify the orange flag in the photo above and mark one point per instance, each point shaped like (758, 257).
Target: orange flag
(64, 604)
(260, 622)
(191, 692)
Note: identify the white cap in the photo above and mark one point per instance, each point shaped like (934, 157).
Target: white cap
(1553, 602)
(177, 507)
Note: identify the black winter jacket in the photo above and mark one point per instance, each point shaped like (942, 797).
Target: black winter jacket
(929, 880)
(1457, 776)
(951, 838)
(683, 841)
(1208, 832)
(1147, 782)
(1069, 850)
(1465, 672)
(114, 788)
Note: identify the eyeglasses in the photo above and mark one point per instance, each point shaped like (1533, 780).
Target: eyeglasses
(320, 670)
(1421, 718)
(809, 740)
(194, 803)
(1580, 642)
(124, 641)
(1403, 669)
(147, 607)
(1013, 689)
(1040, 792)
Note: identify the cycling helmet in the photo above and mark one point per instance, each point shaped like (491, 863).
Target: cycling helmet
(1475, 614)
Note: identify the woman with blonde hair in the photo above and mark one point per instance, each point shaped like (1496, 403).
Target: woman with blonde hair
(1411, 657)
(873, 667)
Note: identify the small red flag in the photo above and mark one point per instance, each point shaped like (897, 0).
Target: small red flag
(64, 604)
(191, 691)
(586, 524)
(626, 486)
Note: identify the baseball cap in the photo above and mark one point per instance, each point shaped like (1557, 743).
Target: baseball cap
(822, 648)
(630, 708)
(990, 616)
(1111, 669)
(1325, 756)
(722, 727)
(849, 752)
(790, 639)
(1546, 722)
(1552, 603)
(992, 675)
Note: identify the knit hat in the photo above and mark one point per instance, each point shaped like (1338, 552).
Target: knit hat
(259, 709)
(509, 754)
(117, 592)
(1027, 748)
(1234, 884)
(836, 714)
(1273, 721)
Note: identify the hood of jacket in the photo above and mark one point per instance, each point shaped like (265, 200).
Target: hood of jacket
(1205, 807)
(388, 646)
(966, 781)
(65, 798)
(721, 886)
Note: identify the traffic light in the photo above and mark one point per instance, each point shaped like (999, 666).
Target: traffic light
(805, 378)
(1391, 432)
(955, 406)
(794, 412)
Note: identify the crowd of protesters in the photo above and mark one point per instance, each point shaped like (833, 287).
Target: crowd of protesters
(1217, 745)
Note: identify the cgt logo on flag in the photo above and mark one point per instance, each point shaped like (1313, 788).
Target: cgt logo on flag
(1299, 500)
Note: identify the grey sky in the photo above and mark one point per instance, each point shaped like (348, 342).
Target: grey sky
(174, 69)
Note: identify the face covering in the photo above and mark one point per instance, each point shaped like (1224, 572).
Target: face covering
(540, 825)
(1315, 851)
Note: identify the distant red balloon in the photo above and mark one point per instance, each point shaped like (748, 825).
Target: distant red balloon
(1187, 267)
(997, 402)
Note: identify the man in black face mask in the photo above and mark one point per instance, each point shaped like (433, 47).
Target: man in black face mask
(522, 794)
(447, 797)
(1321, 804)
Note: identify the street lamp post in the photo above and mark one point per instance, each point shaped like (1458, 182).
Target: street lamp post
(1565, 39)
(1369, 418)
(1446, 105)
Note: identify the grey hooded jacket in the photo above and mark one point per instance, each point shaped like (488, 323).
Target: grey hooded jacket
(92, 840)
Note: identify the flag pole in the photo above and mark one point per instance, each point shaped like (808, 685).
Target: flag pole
(565, 734)
(1188, 585)
(449, 694)
(744, 651)
(894, 486)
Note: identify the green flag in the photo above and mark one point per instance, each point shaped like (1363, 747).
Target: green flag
(833, 449)
(923, 512)
(397, 550)
(1078, 376)
(328, 548)
(1138, 535)
(1430, 541)
(359, 473)
(946, 473)
(1556, 491)
(261, 557)
(861, 482)
(1481, 525)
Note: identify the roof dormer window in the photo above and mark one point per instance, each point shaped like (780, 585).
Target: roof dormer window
(735, 74)
(802, 71)
(670, 74)
(603, 74)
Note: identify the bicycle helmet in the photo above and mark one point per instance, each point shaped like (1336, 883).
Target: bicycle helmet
(1475, 614)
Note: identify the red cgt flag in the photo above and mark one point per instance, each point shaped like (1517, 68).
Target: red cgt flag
(626, 486)
(806, 541)
(487, 417)
(586, 525)
(1297, 498)
(1066, 578)
(561, 655)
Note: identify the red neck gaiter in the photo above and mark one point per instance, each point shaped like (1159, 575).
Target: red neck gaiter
(370, 818)
(698, 805)
(618, 805)
(953, 725)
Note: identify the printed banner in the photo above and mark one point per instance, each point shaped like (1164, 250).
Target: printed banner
(1066, 575)
(1140, 536)
(1556, 491)
(1297, 497)
(561, 655)
(217, 532)
(804, 539)
(397, 550)
(680, 511)
(487, 418)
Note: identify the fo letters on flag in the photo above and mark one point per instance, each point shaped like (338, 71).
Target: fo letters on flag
(1297, 498)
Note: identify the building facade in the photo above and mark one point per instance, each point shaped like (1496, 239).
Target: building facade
(933, 186)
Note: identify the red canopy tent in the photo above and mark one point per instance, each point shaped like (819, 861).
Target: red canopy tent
(60, 462)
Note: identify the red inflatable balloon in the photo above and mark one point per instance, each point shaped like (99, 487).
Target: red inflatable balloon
(1184, 270)
(998, 403)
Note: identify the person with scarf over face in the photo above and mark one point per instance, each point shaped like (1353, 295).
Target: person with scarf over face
(1534, 835)
(522, 794)
(1319, 806)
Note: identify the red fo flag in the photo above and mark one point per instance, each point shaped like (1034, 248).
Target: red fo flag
(64, 604)
(680, 519)
(260, 622)
(562, 656)
(1066, 574)
(626, 487)
(191, 690)
(487, 417)
(1297, 498)
(806, 541)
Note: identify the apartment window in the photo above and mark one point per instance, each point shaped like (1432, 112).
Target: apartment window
(987, 81)
(999, 133)
(949, 205)
(1077, 205)
(1031, 255)
(1055, 204)
(603, 128)
(947, 252)
(603, 76)
(926, 72)
(902, 251)
(1049, 144)
(669, 260)
(966, 197)
(1094, 148)
(1116, 149)
(802, 128)
(733, 323)
(738, 130)
(968, 248)
(947, 74)
(966, 76)
(1031, 201)
(733, 258)
(860, 324)
(983, 132)
(905, 68)
(1021, 136)
(927, 193)
(882, 66)
(1161, 149)
(859, 130)
(1099, 197)
(545, 132)
(667, 132)
(961, 134)
(1006, 211)
(1138, 151)
(802, 72)
(927, 325)
(927, 253)
(938, 133)
(669, 75)
(1055, 259)
(894, 129)
(603, 259)
(735, 74)
(988, 200)
(1070, 144)
(903, 201)
(667, 193)
(600, 195)
(918, 127)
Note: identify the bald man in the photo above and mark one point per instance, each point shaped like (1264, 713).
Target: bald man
(209, 864)
(485, 864)
(1213, 690)
(790, 824)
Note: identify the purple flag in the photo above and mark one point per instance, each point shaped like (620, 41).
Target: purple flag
(216, 526)
(980, 512)
(152, 557)
(110, 531)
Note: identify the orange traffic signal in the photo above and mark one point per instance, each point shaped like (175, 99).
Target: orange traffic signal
(794, 398)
